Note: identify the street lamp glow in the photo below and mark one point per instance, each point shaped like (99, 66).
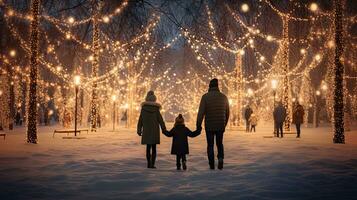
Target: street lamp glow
(244, 7)
(12, 53)
(314, 7)
(274, 84)
(77, 80)
(324, 87)
(250, 92)
(114, 97)
(318, 93)
(302, 51)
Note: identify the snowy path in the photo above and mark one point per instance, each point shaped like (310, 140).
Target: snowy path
(110, 165)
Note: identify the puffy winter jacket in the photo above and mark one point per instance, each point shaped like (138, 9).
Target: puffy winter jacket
(149, 123)
(214, 108)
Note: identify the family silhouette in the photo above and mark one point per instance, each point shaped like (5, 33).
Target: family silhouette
(214, 110)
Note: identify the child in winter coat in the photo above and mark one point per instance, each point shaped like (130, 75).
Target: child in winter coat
(253, 120)
(180, 143)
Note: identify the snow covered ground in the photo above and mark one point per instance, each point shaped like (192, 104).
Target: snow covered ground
(112, 165)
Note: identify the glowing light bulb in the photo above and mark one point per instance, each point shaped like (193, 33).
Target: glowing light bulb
(317, 57)
(106, 19)
(302, 51)
(314, 7)
(71, 20)
(331, 44)
(12, 53)
(242, 52)
(244, 7)
(274, 84)
(269, 38)
(77, 80)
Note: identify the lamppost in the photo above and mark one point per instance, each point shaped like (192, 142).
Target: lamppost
(274, 85)
(114, 99)
(315, 118)
(77, 82)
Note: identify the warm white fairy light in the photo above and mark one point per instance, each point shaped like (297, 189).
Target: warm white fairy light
(71, 20)
(302, 51)
(317, 57)
(106, 19)
(12, 53)
(331, 44)
(244, 7)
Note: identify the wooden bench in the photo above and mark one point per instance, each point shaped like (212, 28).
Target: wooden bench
(3, 134)
(69, 131)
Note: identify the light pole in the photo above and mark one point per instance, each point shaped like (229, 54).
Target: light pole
(274, 85)
(77, 82)
(114, 98)
(315, 118)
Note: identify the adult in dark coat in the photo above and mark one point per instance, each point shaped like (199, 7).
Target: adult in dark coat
(150, 121)
(247, 113)
(214, 108)
(298, 117)
(180, 142)
(279, 118)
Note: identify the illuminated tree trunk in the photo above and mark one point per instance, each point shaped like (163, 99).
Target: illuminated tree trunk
(338, 105)
(285, 65)
(239, 88)
(11, 99)
(95, 64)
(32, 109)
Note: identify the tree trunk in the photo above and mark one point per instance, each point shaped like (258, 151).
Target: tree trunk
(339, 136)
(32, 109)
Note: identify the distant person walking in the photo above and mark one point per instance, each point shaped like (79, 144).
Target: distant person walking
(298, 118)
(279, 118)
(149, 124)
(214, 108)
(253, 120)
(247, 113)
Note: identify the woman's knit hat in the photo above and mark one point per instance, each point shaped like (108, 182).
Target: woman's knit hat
(150, 96)
(179, 120)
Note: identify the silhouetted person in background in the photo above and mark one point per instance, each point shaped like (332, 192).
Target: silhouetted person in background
(279, 118)
(247, 113)
(253, 121)
(298, 117)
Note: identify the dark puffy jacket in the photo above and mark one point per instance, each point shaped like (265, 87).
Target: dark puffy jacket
(214, 107)
(248, 112)
(298, 115)
(279, 114)
(179, 141)
(149, 123)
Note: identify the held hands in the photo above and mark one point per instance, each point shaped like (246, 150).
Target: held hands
(197, 132)
(166, 133)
